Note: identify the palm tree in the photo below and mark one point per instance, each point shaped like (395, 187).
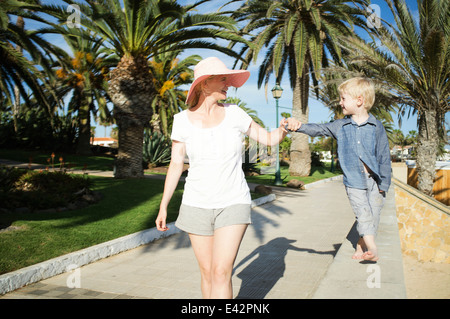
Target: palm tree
(136, 31)
(300, 36)
(23, 57)
(20, 23)
(399, 139)
(169, 73)
(85, 74)
(413, 61)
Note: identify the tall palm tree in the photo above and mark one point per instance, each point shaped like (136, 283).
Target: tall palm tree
(23, 56)
(413, 61)
(85, 75)
(136, 30)
(300, 36)
(169, 73)
(399, 139)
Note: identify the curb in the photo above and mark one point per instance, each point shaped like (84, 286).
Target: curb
(326, 180)
(58, 265)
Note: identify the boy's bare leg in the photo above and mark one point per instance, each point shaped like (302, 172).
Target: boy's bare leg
(360, 249)
(371, 254)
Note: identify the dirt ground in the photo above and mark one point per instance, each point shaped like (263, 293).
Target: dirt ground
(426, 280)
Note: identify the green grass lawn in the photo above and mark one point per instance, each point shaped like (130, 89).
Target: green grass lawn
(128, 206)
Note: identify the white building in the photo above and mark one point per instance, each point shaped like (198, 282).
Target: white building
(103, 141)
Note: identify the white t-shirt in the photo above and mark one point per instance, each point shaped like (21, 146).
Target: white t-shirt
(215, 177)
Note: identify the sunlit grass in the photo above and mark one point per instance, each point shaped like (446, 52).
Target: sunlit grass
(128, 206)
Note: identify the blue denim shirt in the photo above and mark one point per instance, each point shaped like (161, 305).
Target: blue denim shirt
(366, 143)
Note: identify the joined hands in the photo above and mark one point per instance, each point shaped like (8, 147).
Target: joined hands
(290, 124)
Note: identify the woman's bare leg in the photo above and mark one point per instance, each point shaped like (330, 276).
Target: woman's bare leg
(215, 256)
(203, 247)
(226, 246)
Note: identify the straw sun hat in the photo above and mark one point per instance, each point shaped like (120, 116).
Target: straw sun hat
(213, 66)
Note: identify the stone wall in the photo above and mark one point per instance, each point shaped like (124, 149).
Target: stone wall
(424, 224)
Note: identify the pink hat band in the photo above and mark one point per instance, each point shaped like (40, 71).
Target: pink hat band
(213, 66)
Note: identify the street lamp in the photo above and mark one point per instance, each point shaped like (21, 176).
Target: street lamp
(332, 151)
(276, 92)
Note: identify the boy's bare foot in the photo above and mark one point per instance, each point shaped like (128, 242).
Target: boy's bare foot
(357, 255)
(360, 248)
(370, 256)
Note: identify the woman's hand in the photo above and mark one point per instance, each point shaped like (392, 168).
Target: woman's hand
(172, 178)
(283, 124)
(161, 220)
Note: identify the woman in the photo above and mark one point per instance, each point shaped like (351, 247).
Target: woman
(216, 204)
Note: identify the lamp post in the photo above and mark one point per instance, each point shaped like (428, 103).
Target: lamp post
(332, 151)
(276, 92)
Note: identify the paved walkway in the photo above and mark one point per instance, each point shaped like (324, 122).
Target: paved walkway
(299, 246)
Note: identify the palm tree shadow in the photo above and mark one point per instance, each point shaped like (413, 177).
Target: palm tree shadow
(261, 275)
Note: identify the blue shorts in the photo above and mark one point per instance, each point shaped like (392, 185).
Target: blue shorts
(367, 205)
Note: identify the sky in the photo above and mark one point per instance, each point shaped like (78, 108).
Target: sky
(257, 99)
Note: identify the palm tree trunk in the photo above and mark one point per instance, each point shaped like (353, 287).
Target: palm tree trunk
(84, 135)
(129, 158)
(131, 89)
(427, 146)
(300, 153)
(20, 23)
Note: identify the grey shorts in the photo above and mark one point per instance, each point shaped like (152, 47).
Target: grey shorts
(203, 221)
(367, 205)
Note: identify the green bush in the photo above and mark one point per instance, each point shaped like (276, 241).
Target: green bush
(8, 177)
(35, 131)
(40, 189)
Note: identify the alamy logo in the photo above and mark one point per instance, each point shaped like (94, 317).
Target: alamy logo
(73, 21)
(74, 278)
(374, 279)
(374, 20)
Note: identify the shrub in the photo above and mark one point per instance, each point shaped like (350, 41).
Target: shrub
(41, 190)
(157, 150)
(8, 177)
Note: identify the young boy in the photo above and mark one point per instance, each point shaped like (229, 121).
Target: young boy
(364, 156)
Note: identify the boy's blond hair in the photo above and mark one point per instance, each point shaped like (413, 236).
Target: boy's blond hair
(359, 87)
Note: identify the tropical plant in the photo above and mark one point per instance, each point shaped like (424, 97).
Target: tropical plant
(34, 128)
(169, 73)
(136, 31)
(412, 59)
(399, 139)
(157, 149)
(23, 57)
(42, 190)
(85, 75)
(300, 36)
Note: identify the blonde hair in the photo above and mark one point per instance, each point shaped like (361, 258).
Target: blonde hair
(197, 92)
(195, 96)
(359, 87)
